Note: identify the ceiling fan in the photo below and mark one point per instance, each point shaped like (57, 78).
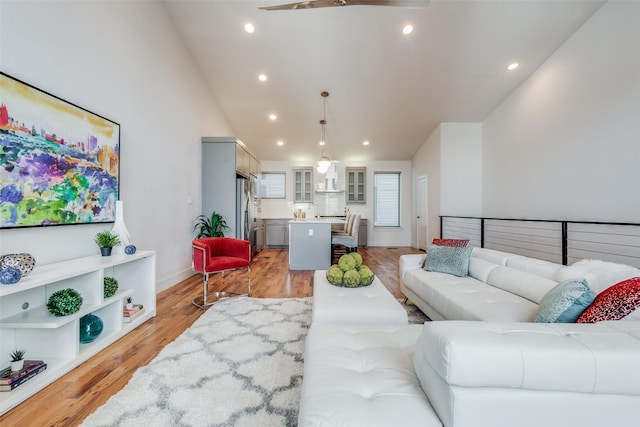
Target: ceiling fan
(312, 4)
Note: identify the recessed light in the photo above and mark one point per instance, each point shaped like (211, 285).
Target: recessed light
(272, 117)
(513, 66)
(321, 143)
(262, 77)
(365, 142)
(249, 28)
(407, 29)
(280, 143)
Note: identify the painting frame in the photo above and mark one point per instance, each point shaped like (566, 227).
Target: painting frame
(59, 162)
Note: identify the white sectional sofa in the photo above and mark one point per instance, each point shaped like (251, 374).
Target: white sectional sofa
(503, 371)
(500, 287)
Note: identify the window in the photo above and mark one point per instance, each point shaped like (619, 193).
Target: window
(272, 185)
(386, 199)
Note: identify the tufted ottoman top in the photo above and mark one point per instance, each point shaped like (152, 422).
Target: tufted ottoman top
(362, 375)
(367, 304)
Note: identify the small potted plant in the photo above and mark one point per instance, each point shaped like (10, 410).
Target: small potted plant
(210, 227)
(129, 303)
(106, 240)
(17, 360)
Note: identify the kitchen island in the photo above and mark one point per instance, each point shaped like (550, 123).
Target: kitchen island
(310, 244)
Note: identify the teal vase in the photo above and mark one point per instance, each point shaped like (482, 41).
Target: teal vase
(90, 328)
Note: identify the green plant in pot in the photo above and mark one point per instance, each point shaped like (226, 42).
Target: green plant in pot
(106, 240)
(17, 360)
(213, 226)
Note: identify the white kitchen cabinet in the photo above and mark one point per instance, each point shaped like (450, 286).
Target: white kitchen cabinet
(303, 185)
(356, 185)
(25, 322)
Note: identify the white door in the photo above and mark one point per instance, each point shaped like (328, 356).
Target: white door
(422, 219)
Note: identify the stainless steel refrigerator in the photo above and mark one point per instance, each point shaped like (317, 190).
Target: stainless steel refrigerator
(246, 221)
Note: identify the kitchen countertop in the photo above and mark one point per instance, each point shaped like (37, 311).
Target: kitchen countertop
(317, 221)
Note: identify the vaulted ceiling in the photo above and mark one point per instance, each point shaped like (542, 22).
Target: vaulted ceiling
(385, 87)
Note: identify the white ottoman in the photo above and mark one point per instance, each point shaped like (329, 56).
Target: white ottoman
(362, 375)
(367, 304)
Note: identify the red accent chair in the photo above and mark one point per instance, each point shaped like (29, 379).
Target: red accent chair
(217, 255)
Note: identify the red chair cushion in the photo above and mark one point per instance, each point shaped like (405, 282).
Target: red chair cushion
(212, 254)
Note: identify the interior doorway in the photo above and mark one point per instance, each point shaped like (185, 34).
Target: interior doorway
(422, 212)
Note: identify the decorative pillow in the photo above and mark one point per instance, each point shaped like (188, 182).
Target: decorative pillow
(448, 259)
(455, 243)
(614, 303)
(565, 302)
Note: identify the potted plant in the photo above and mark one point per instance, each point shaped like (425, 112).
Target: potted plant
(17, 360)
(106, 240)
(129, 303)
(210, 227)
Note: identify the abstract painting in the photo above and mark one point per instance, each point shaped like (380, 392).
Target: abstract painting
(59, 163)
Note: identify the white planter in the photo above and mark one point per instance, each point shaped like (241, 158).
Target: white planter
(16, 366)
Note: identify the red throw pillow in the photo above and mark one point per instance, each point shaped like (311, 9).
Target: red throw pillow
(613, 303)
(455, 243)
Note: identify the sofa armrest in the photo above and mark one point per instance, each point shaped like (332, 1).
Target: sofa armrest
(410, 262)
(584, 358)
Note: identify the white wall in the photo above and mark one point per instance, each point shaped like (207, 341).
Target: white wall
(451, 158)
(278, 208)
(461, 169)
(120, 60)
(566, 144)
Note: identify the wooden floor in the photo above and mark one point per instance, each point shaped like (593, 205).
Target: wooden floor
(68, 401)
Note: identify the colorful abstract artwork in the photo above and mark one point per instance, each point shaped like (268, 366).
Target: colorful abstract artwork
(59, 163)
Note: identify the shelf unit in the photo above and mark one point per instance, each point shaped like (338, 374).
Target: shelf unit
(26, 323)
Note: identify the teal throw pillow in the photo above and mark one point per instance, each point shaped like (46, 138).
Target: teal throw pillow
(448, 259)
(565, 302)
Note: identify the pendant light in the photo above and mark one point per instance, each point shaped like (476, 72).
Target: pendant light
(324, 163)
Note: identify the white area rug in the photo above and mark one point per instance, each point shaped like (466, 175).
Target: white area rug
(239, 364)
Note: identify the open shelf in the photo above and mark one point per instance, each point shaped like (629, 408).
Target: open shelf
(27, 324)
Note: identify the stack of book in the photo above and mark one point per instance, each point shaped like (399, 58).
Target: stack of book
(11, 379)
(131, 314)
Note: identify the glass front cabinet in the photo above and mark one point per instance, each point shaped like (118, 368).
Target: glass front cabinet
(303, 184)
(356, 184)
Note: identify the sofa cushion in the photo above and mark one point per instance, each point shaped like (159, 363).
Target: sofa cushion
(527, 285)
(526, 355)
(494, 256)
(480, 268)
(614, 303)
(599, 274)
(466, 298)
(565, 302)
(448, 259)
(546, 269)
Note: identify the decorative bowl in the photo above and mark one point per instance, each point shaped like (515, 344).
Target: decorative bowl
(9, 276)
(23, 262)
